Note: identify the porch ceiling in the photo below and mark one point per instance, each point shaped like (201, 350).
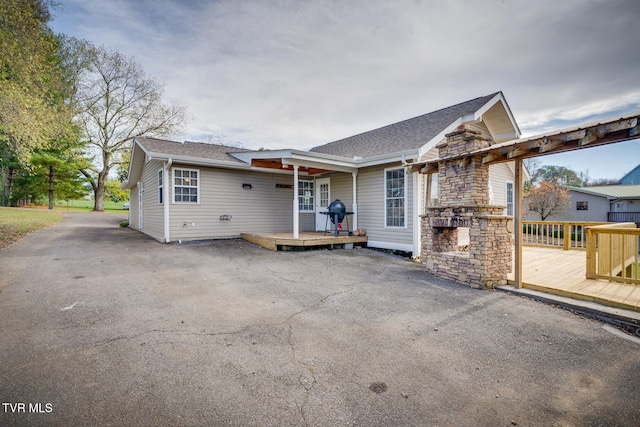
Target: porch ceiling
(278, 164)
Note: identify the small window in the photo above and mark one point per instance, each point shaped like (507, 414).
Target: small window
(186, 186)
(305, 196)
(509, 198)
(395, 202)
(582, 206)
(160, 187)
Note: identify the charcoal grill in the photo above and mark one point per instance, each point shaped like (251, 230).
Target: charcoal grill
(336, 213)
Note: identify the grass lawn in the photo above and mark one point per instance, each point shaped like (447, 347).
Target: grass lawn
(87, 205)
(15, 223)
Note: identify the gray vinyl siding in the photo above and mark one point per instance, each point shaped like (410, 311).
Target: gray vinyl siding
(597, 210)
(153, 211)
(371, 209)
(133, 209)
(499, 174)
(342, 188)
(264, 208)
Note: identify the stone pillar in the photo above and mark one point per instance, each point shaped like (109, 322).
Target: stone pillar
(464, 202)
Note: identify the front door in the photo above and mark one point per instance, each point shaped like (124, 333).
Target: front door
(323, 199)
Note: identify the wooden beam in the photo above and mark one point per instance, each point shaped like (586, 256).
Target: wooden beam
(573, 136)
(550, 145)
(490, 157)
(517, 152)
(429, 168)
(517, 225)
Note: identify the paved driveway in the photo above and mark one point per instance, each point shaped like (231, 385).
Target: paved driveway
(103, 326)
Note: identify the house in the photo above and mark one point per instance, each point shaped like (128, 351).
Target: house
(633, 177)
(610, 203)
(189, 191)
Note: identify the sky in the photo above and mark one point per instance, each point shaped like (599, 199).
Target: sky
(301, 73)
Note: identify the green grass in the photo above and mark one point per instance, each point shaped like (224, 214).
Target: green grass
(87, 206)
(16, 223)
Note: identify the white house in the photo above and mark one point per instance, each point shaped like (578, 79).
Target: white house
(192, 191)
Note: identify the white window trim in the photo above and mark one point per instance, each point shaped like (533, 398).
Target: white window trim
(173, 185)
(513, 197)
(384, 189)
(314, 197)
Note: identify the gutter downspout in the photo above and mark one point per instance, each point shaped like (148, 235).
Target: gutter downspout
(165, 197)
(355, 199)
(417, 240)
(296, 207)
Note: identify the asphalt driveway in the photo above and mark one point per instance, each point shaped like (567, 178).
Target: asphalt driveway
(104, 326)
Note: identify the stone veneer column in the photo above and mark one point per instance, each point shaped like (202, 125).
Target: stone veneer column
(464, 201)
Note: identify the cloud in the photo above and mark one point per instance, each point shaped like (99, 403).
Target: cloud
(297, 74)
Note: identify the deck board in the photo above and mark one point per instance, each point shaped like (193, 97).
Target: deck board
(561, 272)
(274, 241)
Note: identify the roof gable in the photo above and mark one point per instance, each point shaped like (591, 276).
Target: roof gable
(633, 175)
(411, 134)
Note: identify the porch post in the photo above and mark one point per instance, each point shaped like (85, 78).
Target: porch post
(296, 207)
(355, 200)
(517, 226)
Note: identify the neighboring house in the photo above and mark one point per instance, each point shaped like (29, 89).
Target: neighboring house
(188, 191)
(610, 203)
(633, 177)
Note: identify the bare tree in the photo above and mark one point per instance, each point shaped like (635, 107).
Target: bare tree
(117, 102)
(547, 198)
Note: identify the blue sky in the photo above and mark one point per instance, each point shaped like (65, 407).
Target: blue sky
(296, 74)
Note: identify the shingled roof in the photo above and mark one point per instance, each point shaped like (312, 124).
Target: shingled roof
(190, 149)
(409, 134)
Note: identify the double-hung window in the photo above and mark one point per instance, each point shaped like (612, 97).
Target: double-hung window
(306, 196)
(186, 185)
(395, 184)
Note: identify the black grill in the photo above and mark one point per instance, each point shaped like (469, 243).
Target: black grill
(337, 211)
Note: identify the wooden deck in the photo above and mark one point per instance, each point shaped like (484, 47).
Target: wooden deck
(561, 272)
(280, 241)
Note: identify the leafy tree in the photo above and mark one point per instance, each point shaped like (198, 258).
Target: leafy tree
(117, 102)
(603, 181)
(50, 174)
(547, 198)
(32, 87)
(558, 174)
(114, 192)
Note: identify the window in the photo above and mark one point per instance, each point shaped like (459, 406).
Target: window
(582, 206)
(160, 187)
(186, 186)
(395, 209)
(509, 198)
(305, 196)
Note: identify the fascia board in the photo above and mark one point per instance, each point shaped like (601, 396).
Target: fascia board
(248, 156)
(439, 137)
(134, 163)
(388, 158)
(198, 161)
(319, 165)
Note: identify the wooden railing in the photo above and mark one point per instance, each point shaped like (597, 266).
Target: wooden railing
(612, 252)
(560, 234)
